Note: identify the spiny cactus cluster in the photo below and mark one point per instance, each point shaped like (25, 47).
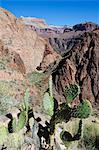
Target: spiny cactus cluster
(70, 93)
(82, 111)
(65, 112)
(17, 124)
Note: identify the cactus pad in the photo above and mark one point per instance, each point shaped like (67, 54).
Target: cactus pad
(83, 110)
(21, 122)
(48, 104)
(71, 92)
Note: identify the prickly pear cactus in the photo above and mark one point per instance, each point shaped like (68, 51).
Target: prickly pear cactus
(71, 92)
(14, 124)
(64, 114)
(48, 100)
(83, 110)
(23, 117)
(17, 126)
(3, 134)
(48, 104)
(66, 138)
(79, 133)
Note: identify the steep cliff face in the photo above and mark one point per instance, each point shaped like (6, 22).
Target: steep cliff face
(26, 46)
(59, 40)
(22, 51)
(10, 60)
(80, 66)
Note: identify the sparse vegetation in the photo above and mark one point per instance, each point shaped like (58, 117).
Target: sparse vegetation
(18, 124)
(7, 99)
(36, 78)
(3, 63)
(74, 133)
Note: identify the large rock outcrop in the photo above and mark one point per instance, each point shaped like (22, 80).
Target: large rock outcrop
(26, 46)
(86, 26)
(80, 66)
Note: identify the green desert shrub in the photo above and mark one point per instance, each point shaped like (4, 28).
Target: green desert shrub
(6, 102)
(2, 65)
(7, 99)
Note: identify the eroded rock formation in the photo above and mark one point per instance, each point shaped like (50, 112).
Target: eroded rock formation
(81, 66)
(26, 44)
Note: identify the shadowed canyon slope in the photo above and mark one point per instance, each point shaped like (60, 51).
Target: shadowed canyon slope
(79, 48)
(80, 65)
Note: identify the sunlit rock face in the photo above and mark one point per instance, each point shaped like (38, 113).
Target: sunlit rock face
(26, 45)
(22, 51)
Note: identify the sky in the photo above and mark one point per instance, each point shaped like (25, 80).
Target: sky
(56, 12)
